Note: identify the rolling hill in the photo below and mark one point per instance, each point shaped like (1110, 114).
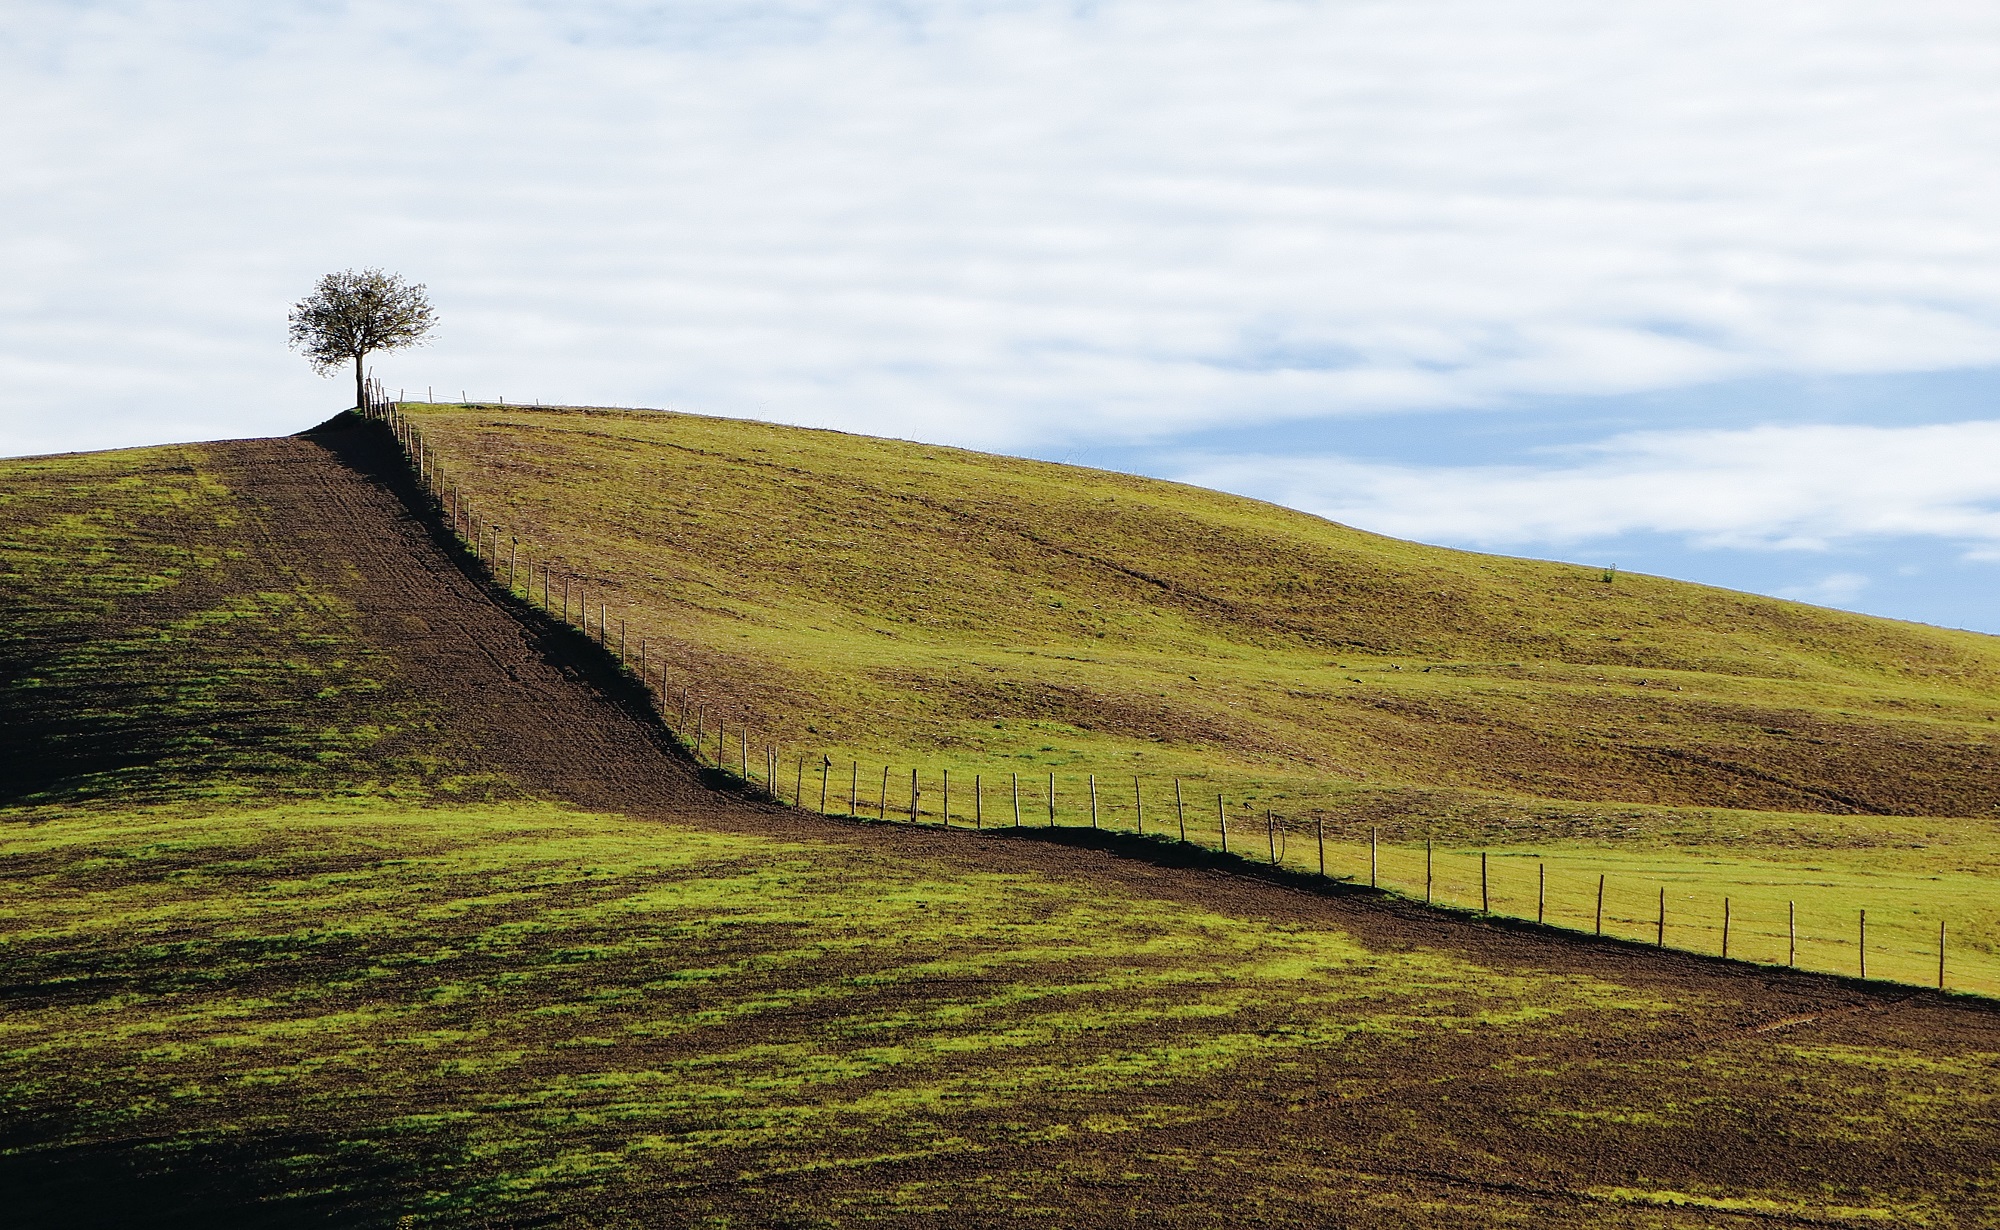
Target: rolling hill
(1074, 635)
(337, 888)
(877, 598)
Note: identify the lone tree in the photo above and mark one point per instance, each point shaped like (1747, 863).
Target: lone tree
(350, 315)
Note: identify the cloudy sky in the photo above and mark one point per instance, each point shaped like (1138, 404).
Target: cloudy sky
(1705, 289)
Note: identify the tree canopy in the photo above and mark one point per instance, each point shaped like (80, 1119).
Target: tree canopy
(354, 313)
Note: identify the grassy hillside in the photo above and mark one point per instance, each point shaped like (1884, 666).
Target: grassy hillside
(502, 1015)
(301, 923)
(872, 599)
(892, 606)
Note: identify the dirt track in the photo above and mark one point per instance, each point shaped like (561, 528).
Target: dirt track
(547, 712)
(531, 697)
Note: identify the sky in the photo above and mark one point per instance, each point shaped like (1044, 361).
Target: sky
(1710, 290)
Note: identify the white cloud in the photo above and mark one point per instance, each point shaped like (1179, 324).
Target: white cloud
(1770, 487)
(1833, 589)
(993, 223)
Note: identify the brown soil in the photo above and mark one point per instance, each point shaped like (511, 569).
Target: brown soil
(531, 699)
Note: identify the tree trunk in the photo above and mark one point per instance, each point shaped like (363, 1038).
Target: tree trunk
(360, 387)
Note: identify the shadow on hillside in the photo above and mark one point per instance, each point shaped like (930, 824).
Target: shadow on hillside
(1162, 850)
(249, 1181)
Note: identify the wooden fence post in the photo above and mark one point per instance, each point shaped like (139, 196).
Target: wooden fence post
(1093, 800)
(1660, 939)
(853, 788)
(1792, 931)
(1222, 822)
(1052, 800)
(1541, 890)
(799, 783)
(913, 796)
(1940, 954)
(825, 766)
(1428, 865)
(978, 803)
(1861, 947)
(1485, 900)
(1271, 835)
(1017, 799)
(1319, 834)
(1138, 806)
(1374, 858)
(743, 745)
(1600, 903)
(882, 800)
(1180, 810)
(944, 808)
(1725, 928)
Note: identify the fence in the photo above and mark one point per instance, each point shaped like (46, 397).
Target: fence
(1610, 894)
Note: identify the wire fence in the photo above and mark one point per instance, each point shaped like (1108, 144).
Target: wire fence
(1760, 918)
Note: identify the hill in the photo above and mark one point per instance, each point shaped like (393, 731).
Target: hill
(1547, 740)
(339, 890)
(873, 598)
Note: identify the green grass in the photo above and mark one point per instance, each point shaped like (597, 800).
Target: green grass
(894, 605)
(512, 1013)
(874, 600)
(1905, 899)
(1909, 874)
(602, 985)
